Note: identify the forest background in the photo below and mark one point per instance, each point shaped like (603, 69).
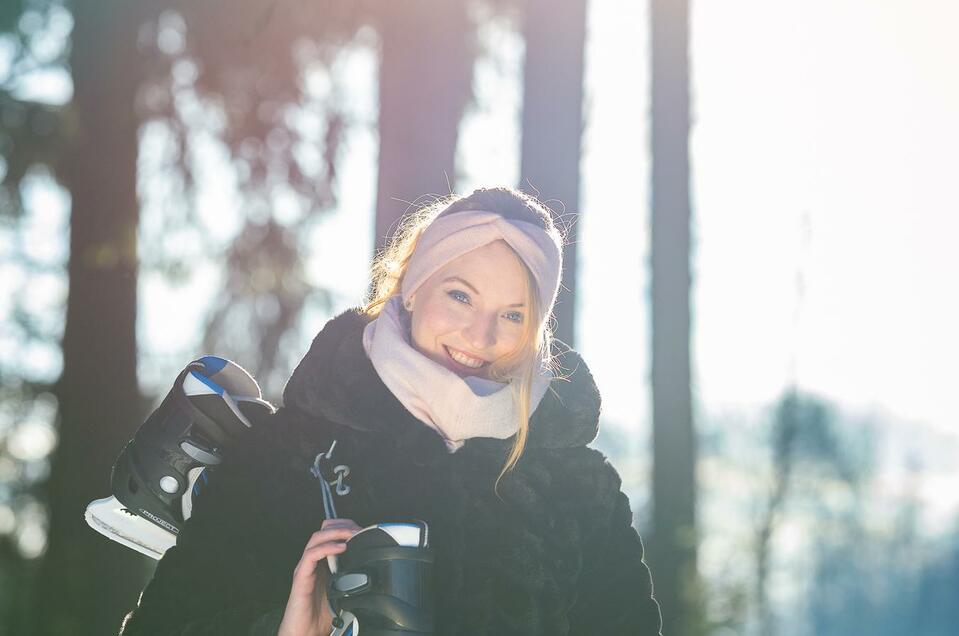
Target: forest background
(762, 207)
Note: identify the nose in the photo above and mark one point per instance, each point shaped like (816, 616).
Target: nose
(480, 333)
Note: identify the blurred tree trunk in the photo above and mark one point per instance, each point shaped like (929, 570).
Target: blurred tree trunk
(552, 126)
(86, 582)
(674, 542)
(426, 72)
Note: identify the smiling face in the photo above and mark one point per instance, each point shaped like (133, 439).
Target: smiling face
(471, 312)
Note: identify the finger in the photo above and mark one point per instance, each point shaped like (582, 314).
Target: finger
(339, 523)
(334, 526)
(322, 551)
(330, 535)
(306, 567)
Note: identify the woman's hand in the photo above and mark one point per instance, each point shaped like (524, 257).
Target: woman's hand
(307, 610)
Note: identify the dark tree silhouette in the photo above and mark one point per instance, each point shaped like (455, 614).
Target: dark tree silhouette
(803, 436)
(86, 583)
(552, 126)
(674, 541)
(815, 452)
(32, 135)
(426, 71)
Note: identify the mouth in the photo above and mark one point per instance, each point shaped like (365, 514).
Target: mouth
(463, 361)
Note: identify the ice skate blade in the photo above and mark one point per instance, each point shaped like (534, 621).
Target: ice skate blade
(111, 518)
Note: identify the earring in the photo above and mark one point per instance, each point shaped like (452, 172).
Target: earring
(408, 305)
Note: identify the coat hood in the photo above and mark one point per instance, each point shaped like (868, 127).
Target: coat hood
(336, 381)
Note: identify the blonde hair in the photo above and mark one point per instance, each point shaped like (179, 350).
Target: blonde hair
(517, 367)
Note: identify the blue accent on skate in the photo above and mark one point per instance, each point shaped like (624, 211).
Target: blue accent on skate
(213, 364)
(196, 484)
(207, 381)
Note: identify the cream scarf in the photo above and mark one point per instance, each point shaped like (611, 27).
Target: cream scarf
(457, 408)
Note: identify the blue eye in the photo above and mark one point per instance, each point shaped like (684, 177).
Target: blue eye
(514, 316)
(459, 296)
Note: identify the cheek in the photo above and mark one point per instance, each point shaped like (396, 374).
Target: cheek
(429, 323)
(509, 339)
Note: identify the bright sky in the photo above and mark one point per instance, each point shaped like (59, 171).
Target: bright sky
(825, 145)
(825, 201)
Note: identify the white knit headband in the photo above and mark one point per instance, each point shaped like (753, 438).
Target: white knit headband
(453, 235)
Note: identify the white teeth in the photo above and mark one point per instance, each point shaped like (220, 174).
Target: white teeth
(465, 360)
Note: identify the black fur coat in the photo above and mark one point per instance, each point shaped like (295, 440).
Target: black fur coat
(555, 553)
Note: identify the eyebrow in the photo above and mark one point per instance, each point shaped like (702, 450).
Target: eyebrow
(473, 289)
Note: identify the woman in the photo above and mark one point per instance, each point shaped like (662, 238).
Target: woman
(448, 401)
